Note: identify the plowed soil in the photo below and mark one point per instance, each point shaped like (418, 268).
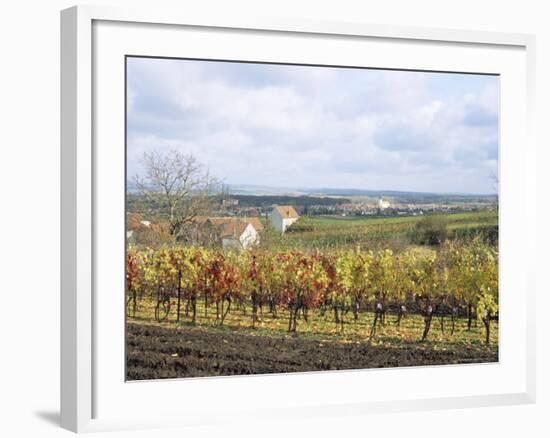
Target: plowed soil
(155, 352)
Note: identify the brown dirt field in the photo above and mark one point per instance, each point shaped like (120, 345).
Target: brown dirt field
(155, 352)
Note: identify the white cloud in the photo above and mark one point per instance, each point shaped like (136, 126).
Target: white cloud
(306, 126)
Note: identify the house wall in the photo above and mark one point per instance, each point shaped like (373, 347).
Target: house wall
(287, 222)
(276, 220)
(280, 223)
(249, 237)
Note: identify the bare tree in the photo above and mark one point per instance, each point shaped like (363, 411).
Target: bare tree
(178, 186)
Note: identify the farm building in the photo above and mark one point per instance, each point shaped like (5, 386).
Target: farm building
(237, 232)
(282, 216)
(231, 232)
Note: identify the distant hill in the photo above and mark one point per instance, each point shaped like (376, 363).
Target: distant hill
(285, 194)
(264, 200)
(403, 196)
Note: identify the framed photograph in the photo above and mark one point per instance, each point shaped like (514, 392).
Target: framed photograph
(308, 218)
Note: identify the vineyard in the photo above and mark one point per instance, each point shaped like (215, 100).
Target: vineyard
(329, 233)
(458, 282)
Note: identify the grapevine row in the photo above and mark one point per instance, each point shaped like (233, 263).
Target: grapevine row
(456, 280)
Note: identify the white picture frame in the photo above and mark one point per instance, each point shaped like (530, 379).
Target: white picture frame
(92, 390)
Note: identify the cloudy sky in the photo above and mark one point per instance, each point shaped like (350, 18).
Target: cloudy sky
(300, 126)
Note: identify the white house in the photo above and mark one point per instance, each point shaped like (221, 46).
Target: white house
(282, 216)
(239, 236)
(240, 233)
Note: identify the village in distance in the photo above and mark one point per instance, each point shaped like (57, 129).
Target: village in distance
(242, 217)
